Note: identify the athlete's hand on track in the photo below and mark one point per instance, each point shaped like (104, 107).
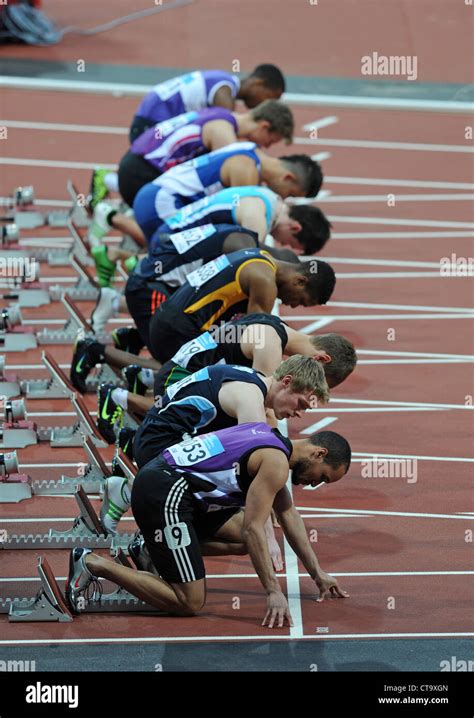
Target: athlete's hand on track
(275, 554)
(277, 610)
(328, 587)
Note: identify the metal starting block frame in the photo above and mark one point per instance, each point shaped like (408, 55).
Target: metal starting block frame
(92, 477)
(17, 341)
(18, 434)
(86, 531)
(68, 334)
(73, 436)
(50, 604)
(57, 386)
(33, 218)
(86, 288)
(9, 385)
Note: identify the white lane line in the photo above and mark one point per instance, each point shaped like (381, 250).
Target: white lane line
(358, 574)
(380, 402)
(375, 317)
(319, 425)
(358, 512)
(401, 222)
(379, 182)
(365, 410)
(401, 235)
(61, 127)
(414, 361)
(298, 98)
(404, 275)
(375, 262)
(321, 157)
(354, 198)
(206, 639)
(66, 164)
(378, 455)
(383, 145)
(322, 122)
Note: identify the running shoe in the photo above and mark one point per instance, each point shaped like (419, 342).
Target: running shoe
(99, 225)
(115, 503)
(138, 552)
(104, 266)
(105, 308)
(98, 189)
(87, 354)
(131, 374)
(128, 340)
(109, 413)
(80, 580)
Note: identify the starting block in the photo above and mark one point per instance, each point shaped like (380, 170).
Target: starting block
(49, 604)
(86, 288)
(73, 436)
(86, 531)
(14, 337)
(14, 487)
(9, 386)
(20, 209)
(75, 324)
(16, 432)
(91, 477)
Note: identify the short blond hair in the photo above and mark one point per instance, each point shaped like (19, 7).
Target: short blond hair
(307, 374)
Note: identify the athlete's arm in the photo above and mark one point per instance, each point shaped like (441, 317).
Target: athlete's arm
(258, 282)
(223, 98)
(242, 401)
(271, 468)
(295, 532)
(236, 241)
(218, 133)
(239, 171)
(261, 344)
(250, 213)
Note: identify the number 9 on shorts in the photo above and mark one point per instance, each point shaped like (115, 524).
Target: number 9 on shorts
(177, 536)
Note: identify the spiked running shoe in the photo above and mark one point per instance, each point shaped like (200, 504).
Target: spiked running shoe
(128, 340)
(80, 580)
(138, 552)
(106, 307)
(87, 354)
(125, 441)
(100, 222)
(115, 503)
(131, 374)
(109, 414)
(104, 265)
(98, 189)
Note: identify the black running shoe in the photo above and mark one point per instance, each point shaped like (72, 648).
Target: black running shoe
(128, 340)
(125, 441)
(87, 354)
(131, 374)
(139, 554)
(109, 413)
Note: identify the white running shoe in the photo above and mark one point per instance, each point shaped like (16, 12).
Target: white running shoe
(116, 502)
(79, 579)
(106, 307)
(99, 225)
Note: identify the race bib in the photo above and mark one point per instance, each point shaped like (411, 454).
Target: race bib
(165, 128)
(167, 89)
(177, 536)
(196, 449)
(202, 275)
(200, 375)
(184, 241)
(195, 346)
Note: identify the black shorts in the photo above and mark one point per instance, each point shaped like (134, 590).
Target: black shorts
(170, 328)
(171, 521)
(134, 172)
(149, 441)
(167, 375)
(143, 298)
(138, 127)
